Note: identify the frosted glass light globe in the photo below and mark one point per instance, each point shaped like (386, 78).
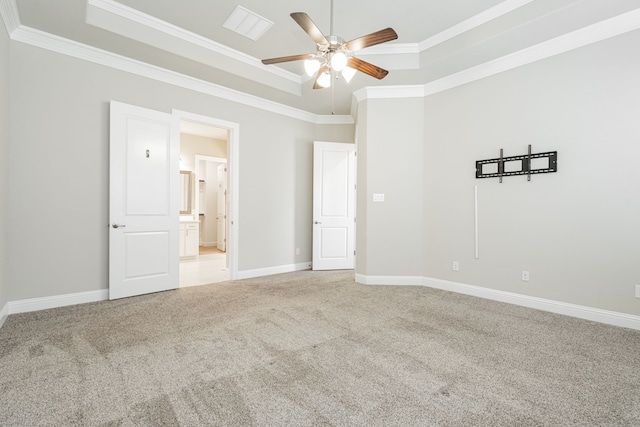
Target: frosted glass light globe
(324, 79)
(311, 66)
(348, 73)
(338, 61)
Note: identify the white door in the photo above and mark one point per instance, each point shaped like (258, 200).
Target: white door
(333, 206)
(143, 201)
(221, 215)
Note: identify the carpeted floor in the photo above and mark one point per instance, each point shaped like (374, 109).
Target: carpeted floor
(314, 348)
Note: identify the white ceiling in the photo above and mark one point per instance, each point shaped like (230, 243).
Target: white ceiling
(436, 38)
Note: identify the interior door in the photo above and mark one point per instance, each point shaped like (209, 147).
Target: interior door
(221, 215)
(333, 206)
(143, 201)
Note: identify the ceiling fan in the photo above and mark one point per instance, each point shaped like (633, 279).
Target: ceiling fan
(334, 54)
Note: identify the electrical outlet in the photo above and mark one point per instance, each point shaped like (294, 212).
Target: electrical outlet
(637, 291)
(455, 266)
(525, 276)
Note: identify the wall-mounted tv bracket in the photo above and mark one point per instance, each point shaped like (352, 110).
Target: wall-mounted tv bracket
(526, 164)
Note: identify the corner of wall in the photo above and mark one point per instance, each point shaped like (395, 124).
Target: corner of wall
(4, 174)
(4, 313)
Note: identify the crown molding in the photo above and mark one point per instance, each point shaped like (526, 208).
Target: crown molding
(391, 49)
(81, 51)
(473, 22)
(101, 12)
(109, 15)
(448, 34)
(594, 33)
(388, 92)
(10, 15)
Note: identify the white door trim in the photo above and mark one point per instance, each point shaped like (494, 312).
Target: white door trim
(233, 153)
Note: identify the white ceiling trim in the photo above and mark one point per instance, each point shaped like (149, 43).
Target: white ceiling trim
(120, 19)
(448, 34)
(96, 10)
(603, 30)
(391, 48)
(10, 16)
(81, 51)
(473, 22)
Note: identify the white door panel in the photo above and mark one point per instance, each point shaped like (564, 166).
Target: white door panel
(333, 206)
(143, 201)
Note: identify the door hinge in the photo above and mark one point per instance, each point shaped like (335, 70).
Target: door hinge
(354, 220)
(354, 252)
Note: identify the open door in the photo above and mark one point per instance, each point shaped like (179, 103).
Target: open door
(333, 206)
(143, 201)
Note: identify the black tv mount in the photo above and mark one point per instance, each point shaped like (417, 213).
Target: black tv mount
(517, 165)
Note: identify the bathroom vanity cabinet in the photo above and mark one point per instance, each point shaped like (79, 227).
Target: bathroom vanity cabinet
(189, 238)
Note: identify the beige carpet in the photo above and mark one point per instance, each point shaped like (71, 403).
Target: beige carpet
(314, 348)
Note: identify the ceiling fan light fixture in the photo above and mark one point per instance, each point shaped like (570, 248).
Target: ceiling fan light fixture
(338, 61)
(324, 79)
(348, 73)
(311, 66)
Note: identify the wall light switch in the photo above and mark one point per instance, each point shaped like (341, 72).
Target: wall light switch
(378, 197)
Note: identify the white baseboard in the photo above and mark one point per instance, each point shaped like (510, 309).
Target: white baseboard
(582, 312)
(290, 268)
(44, 303)
(390, 280)
(4, 313)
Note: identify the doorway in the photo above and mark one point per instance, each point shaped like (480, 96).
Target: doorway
(211, 263)
(208, 149)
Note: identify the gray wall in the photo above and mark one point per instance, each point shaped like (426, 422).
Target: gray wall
(58, 204)
(576, 231)
(4, 163)
(390, 162)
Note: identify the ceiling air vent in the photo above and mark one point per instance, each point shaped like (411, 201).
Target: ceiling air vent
(247, 23)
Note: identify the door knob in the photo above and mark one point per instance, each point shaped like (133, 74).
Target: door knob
(118, 225)
(317, 222)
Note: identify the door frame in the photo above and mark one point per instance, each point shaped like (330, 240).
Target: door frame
(233, 187)
(198, 174)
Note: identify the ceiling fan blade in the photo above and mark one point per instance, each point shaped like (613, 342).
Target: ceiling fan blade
(367, 68)
(310, 28)
(372, 39)
(288, 58)
(322, 69)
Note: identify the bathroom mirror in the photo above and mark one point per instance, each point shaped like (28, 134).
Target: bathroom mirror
(185, 192)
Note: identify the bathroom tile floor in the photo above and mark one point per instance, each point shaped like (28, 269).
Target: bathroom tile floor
(204, 269)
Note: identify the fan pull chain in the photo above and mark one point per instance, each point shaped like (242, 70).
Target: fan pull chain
(333, 91)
